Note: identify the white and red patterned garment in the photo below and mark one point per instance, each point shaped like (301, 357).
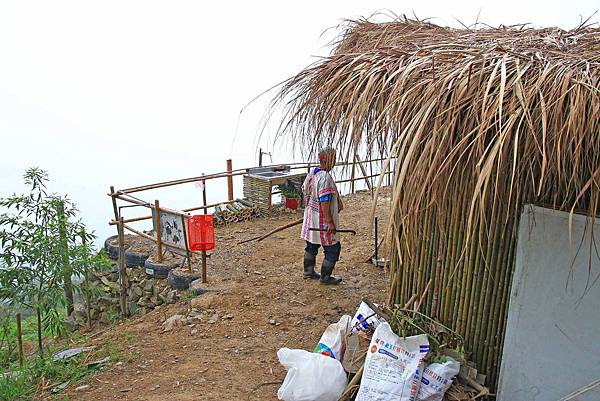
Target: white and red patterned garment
(317, 184)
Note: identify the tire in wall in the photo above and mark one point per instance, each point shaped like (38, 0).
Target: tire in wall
(112, 250)
(181, 279)
(158, 270)
(133, 259)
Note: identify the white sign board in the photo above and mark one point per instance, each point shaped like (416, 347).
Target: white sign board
(173, 230)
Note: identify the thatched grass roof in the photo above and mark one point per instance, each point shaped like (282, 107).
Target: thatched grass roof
(481, 121)
(459, 104)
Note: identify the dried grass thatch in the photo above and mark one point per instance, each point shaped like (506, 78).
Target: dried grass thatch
(482, 121)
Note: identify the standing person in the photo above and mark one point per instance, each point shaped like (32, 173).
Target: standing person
(322, 205)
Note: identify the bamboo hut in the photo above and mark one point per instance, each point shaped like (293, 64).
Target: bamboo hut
(482, 121)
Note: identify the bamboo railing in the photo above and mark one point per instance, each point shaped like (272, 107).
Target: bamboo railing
(125, 197)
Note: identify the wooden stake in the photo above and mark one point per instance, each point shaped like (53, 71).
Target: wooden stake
(88, 301)
(159, 253)
(204, 278)
(122, 270)
(114, 203)
(229, 180)
(20, 340)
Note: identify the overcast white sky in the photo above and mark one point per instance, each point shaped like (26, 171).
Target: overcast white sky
(98, 92)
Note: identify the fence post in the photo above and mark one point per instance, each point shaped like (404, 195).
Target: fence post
(88, 308)
(114, 203)
(204, 280)
(122, 270)
(20, 340)
(159, 252)
(229, 180)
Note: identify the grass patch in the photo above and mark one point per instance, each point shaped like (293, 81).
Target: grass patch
(188, 295)
(45, 377)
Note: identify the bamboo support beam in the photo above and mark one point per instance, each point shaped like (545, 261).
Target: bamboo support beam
(151, 238)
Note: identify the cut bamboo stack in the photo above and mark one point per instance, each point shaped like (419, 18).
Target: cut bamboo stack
(240, 210)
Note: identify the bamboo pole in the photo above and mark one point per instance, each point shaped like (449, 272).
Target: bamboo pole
(436, 288)
(122, 269)
(456, 267)
(67, 269)
(489, 240)
(498, 241)
(20, 340)
(479, 268)
(157, 224)
(293, 166)
(191, 209)
(358, 179)
(229, 180)
(467, 280)
(490, 336)
(364, 172)
(352, 175)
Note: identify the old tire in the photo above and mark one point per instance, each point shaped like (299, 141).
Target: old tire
(180, 279)
(158, 270)
(133, 259)
(112, 250)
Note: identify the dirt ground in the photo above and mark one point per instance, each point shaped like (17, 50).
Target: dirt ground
(264, 305)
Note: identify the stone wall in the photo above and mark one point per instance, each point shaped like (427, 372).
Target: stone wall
(145, 293)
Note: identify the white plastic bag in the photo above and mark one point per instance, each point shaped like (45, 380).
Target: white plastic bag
(333, 341)
(437, 379)
(364, 318)
(310, 376)
(393, 366)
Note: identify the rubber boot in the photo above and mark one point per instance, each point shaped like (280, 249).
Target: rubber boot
(309, 266)
(326, 270)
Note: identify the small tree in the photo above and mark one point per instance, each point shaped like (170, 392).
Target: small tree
(41, 250)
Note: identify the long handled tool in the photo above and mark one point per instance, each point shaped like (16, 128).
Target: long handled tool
(262, 237)
(337, 231)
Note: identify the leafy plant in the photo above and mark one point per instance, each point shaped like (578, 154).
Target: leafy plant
(290, 190)
(41, 251)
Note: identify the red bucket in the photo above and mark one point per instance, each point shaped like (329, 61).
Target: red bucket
(201, 232)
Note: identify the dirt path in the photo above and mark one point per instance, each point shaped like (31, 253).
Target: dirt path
(264, 305)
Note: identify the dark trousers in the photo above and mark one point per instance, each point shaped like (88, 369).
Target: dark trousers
(332, 252)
